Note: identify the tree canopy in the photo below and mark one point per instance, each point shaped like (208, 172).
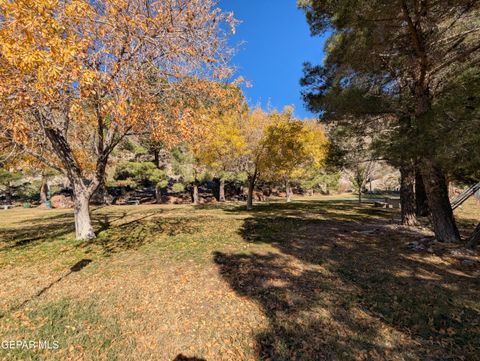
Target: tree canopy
(77, 77)
(389, 64)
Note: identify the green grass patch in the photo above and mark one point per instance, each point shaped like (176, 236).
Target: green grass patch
(65, 328)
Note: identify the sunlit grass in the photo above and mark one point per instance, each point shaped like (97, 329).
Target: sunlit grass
(318, 276)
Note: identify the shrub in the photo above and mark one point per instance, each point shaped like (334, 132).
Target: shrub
(178, 188)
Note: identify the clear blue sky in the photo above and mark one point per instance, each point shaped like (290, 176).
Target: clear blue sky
(277, 43)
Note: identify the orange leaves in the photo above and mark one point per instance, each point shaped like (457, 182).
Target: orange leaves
(37, 40)
(97, 70)
(75, 8)
(19, 130)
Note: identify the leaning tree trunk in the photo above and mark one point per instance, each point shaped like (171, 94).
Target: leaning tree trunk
(436, 188)
(221, 190)
(195, 198)
(434, 180)
(407, 195)
(420, 195)
(474, 239)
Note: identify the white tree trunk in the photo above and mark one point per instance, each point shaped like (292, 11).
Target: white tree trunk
(221, 191)
(83, 223)
(195, 196)
(288, 191)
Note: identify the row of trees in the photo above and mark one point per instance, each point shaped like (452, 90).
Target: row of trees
(403, 74)
(276, 147)
(79, 77)
(238, 145)
(283, 150)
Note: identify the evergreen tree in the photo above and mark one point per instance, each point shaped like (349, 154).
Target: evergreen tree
(388, 60)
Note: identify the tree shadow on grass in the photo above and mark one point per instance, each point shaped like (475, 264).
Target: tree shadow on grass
(77, 267)
(116, 230)
(131, 235)
(38, 229)
(181, 357)
(342, 289)
(47, 229)
(336, 209)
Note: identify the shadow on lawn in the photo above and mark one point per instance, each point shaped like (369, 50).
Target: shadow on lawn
(77, 267)
(116, 231)
(349, 290)
(338, 209)
(133, 234)
(181, 357)
(49, 228)
(46, 228)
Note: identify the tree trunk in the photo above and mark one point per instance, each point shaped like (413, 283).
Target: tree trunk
(8, 194)
(156, 157)
(195, 197)
(44, 191)
(158, 195)
(221, 190)
(101, 195)
(288, 191)
(360, 196)
(81, 191)
(444, 224)
(420, 195)
(474, 238)
(251, 186)
(83, 223)
(434, 180)
(407, 195)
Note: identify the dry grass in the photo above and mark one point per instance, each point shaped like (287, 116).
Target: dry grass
(317, 279)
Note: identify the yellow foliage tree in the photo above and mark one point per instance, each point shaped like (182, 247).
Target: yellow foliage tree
(254, 130)
(222, 145)
(293, 147)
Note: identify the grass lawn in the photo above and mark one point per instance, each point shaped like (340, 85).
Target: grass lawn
(315, 279)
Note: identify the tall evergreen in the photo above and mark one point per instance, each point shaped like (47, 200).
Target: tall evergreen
(390, 62)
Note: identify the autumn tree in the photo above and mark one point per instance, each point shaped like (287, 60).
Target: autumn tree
(223, 152)
(222, 143)
(253, 159)
(77, 77)
(279, 148)
(382, 52)
(293, 148)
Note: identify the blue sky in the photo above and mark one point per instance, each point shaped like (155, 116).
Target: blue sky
(277, 43)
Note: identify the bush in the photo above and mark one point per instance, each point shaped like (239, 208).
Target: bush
(135, 174)
(178, 188)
